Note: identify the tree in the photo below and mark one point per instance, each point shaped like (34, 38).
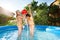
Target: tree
(53, 9)
(54, 18)
(34, 5)
(41, 12)
(43, 6)
(41, 15)
(4, 19)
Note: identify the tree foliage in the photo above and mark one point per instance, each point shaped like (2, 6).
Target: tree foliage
(43, 6)
(34, 5)
(53, 9)
(40, 17)
(4, 19)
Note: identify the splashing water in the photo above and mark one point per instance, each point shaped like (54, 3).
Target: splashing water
(38, 34)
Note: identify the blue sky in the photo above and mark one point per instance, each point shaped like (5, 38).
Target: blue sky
(13, 5)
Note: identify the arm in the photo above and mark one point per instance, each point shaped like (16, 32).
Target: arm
(30, 11)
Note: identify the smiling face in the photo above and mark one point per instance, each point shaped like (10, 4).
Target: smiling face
(17, 12)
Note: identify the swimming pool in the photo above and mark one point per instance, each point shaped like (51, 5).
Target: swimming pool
(41, 33)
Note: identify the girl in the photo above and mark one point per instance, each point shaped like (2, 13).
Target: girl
(19, 22)
(30, 21)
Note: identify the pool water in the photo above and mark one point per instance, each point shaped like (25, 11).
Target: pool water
(41, 33)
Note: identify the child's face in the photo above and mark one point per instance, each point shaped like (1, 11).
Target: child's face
(17, 12)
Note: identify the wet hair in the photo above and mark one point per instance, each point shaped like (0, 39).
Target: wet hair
(17, 13)
(28, 15)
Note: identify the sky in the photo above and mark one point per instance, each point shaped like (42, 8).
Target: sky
(13, 5)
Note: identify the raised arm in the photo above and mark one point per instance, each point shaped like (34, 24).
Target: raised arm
(30, 11)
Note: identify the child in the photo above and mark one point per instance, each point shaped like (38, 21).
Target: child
(30, 21)
(19, 22)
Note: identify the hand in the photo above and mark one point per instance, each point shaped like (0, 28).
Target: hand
(29, 5)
